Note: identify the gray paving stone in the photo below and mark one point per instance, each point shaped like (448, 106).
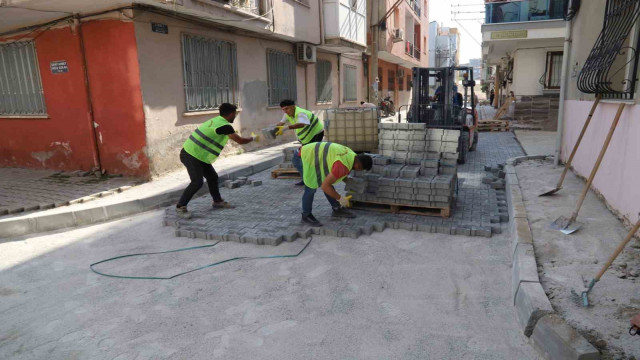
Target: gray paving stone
(470, 210)
(556, 339)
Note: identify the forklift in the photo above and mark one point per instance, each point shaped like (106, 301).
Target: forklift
(439, 104)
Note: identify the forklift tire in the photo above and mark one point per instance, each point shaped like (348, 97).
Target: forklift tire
(475, 141)
(463, 147)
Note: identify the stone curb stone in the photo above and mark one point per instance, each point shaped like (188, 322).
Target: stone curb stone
(525, 268)
(531, 304)
(555, 339)
(521, 234)
(548, 333)
(40, 223)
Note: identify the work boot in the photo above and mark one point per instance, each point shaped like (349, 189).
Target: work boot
(311, 220)
(341, 212)
(182, 212)
(301, 183)
(222, 205)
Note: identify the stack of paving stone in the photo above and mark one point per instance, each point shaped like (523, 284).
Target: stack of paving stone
(395, 182)
(288, 153)
(436, 150)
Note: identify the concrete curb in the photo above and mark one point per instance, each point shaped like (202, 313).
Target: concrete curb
(40, 223)
(549, 334)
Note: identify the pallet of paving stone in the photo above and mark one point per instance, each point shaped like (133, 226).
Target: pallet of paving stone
(286, 173)
(443, 212)
(493, 125)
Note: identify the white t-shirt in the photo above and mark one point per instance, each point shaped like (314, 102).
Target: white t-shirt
(369, 105)
(302, 119)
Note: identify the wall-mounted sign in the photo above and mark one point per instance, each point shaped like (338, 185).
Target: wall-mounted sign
(59, 66)
(509, 34)
(160, 28)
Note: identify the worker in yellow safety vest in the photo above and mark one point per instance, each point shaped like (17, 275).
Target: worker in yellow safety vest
(326, 164)
(309, 129)
(203, 148)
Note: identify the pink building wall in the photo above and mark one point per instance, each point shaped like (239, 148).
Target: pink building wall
(619, 174)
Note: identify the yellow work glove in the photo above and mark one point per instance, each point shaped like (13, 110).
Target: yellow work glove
(344, 201)
(281, 129)
(255, 137)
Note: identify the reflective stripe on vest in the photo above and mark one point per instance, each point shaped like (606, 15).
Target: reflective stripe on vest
(318, 159)
(205, 144)
(306, 133)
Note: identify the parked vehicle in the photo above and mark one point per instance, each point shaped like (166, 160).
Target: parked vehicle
(387, 107)
(438, 103)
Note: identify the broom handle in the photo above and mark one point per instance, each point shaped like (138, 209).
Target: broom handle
(575, 147)
(618, 250)
(587, 186)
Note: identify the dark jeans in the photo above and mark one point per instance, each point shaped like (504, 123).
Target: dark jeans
(197, 170)
(297, 160)
(307, 201)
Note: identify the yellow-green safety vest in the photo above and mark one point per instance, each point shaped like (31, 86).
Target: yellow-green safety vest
(318, 159)
(205, 144)
(305, 134)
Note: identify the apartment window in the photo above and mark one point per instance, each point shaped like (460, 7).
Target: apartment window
(350, 93)
(20, 85)
(408, 82)
(553, 70)
(323, 81)
(401, 83)
(210, 74)
(281, 77)
(392, 80)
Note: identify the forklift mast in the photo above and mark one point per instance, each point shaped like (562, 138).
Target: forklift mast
(437, 100)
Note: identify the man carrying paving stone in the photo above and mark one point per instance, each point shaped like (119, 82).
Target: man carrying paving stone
(202, 149)
(326, 164)
(309, 129)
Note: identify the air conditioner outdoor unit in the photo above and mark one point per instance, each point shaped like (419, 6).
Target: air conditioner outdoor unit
(398, 35)
(305, 53)
(400, 72)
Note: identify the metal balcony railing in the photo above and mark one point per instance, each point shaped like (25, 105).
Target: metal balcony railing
(412, 50)
(253, 6)
(526, 10)
(415, 5)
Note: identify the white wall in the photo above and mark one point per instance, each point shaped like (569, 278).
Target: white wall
(528, 67)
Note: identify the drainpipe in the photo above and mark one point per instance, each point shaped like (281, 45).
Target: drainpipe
(340, 82)
(563, 89)
(97, 165)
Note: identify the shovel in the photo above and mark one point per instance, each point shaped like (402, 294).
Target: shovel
(569, 226)
(567, 165)
(583, 298)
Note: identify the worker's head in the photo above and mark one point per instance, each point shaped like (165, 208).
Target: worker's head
(228, 111)
(362, 162)
(361, 102)
(288, 106)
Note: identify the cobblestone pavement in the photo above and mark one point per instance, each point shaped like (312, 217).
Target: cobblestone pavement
(270, 213)
(28, 189)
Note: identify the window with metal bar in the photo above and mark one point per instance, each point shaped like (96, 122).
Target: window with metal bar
(392, 79)
(612, 66)
(210, 73)
(20, 85)
(281, 76)
(350, 84)
(553, 70)
(401, 83)
(324, 89)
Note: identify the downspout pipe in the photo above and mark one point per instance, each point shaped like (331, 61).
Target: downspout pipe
(563, 89)
(92, 133)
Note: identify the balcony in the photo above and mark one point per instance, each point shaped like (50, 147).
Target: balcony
(412, 50)
(526, 10)
(252, 6)
(415, 6)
